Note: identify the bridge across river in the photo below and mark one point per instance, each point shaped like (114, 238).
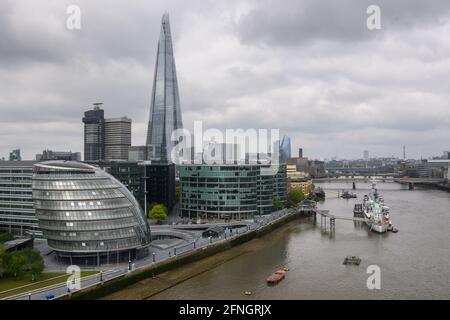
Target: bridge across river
(368, 179)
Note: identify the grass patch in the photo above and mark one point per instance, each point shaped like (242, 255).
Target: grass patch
(44, 280)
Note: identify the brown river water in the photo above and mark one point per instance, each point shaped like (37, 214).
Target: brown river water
(414, 263)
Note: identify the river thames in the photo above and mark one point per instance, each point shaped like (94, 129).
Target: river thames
(414, 262)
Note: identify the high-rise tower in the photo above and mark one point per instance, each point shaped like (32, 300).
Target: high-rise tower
(165, 112)
(285, 149)
(94, 133)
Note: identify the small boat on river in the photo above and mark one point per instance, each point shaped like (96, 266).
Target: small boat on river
(276, 277)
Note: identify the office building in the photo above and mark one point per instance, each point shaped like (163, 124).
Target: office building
(47, 155)
(17, 213)
(105, 139)
(165, 112)
(229, 191)
(94, 134)
(148, 182)
(285, 149)
(117, 138)
(366, 155)
(15, 155)
(87, 215)
(303, 184)
(300, 152)
(137, 153)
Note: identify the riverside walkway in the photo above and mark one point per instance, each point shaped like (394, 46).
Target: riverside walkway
(111, 272)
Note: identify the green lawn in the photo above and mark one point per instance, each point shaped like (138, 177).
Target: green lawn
(46, 279)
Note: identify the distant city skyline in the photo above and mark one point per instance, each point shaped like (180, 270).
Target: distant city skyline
(336, 88)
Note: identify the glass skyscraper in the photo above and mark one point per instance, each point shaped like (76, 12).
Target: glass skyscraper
(165, 112)
(285, 149)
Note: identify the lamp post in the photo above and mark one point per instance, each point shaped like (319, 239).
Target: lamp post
(145, 163)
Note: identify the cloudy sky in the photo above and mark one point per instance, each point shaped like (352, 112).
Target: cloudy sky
(310, 68)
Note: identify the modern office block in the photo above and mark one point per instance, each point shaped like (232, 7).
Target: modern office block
(17, 214)
(117, 138)
(148, 182)
(94, 134)
(86, 214)
(229, 191)
(285, 149)
(15, 155)
(218, 191)
(47, 155)
(165, 112)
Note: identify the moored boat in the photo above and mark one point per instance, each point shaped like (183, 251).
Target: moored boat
(376, 213)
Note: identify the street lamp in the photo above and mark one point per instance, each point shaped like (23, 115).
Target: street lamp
(145, 163)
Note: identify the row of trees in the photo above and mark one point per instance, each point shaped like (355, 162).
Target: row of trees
(17, 263)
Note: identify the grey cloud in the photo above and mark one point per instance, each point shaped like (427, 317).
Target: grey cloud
(307, 67)
(297, 22)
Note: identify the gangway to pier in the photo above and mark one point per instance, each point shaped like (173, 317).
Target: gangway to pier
(325, 214)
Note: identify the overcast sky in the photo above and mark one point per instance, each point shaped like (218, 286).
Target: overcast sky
(310, 68)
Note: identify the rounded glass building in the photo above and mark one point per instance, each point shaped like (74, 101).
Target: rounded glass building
(85, 213)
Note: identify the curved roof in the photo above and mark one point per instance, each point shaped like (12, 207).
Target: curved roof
(65, 165)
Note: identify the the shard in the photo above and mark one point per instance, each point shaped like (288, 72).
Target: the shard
(165, 112)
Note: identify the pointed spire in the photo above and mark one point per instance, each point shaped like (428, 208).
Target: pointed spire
(165, 112)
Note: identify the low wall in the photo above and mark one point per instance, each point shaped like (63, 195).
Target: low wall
(123, 281)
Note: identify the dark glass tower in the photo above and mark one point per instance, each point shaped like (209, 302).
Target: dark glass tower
(94, 134)
(165, 112)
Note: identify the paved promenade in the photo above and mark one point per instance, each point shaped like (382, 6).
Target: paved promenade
(157, 254)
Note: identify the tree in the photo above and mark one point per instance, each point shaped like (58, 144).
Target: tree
(278, 204)
(158, 212)
(2, 260)
(295, 197)
(6, 236)
(15, 263)
(33, 262)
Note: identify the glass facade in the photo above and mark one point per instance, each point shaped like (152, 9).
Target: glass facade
(83, 210)
(228, 191)
(285, 149)
(17, 213)
(94, 134)
(165, 112)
